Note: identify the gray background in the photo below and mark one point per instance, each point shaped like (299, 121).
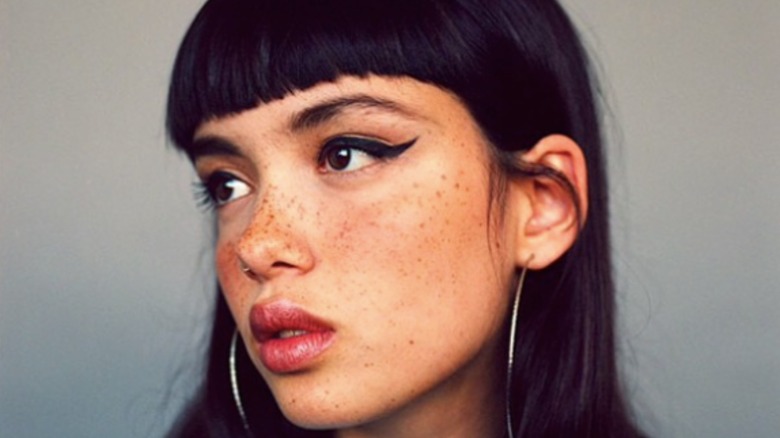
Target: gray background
(104, 264)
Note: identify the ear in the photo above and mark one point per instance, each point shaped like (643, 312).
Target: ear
(549, 220)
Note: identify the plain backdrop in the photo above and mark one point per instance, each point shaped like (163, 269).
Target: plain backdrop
(104, 259)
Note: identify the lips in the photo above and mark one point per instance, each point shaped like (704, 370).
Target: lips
(289, 337)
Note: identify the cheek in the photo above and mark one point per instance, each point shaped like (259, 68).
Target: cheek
(423, 256)
(416, 289)
(231, 279)
(422, 232)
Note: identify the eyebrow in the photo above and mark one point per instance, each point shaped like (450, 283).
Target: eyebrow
(212, 145)
(328, 110)
(306, 119)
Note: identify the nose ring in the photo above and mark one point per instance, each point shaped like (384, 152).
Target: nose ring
(244, 267)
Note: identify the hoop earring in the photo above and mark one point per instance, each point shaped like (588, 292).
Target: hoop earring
(511, 350)
(234, 382)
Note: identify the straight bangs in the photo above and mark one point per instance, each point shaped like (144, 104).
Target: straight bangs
(240, 53)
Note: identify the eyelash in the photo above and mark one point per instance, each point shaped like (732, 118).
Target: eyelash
(206, 190)
(203, 198)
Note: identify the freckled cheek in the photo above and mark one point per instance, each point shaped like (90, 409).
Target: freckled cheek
(414, 237)
(452, 243)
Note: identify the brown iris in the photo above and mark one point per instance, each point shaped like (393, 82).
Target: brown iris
(339, 159)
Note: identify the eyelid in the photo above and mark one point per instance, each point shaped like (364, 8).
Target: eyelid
(376, 148)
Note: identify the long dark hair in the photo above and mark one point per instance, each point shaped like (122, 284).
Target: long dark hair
(520, 69)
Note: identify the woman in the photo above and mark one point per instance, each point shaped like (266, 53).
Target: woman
(383, 175)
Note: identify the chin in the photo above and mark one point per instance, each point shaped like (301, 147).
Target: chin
(326, 414)
(323, 417)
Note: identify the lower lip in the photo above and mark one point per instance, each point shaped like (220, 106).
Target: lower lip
(294, 354)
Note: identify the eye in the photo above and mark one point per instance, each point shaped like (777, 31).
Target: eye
(221, 188)
(348, 154)
(345, 159)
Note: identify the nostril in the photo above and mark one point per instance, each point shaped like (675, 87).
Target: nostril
(280, 264)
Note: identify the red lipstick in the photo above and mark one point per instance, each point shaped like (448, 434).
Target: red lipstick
(289, 337)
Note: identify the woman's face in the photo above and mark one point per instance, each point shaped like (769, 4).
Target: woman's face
(359, 251)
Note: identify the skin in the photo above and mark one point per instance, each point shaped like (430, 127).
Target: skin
(408, 259)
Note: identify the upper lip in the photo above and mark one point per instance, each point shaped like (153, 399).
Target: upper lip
(268, 320)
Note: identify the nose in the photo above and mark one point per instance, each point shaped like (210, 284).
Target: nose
(274, 242)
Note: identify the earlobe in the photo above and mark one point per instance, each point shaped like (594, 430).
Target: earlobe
(556, 201)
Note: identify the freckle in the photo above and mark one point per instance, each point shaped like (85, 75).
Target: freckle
(438, 194)
(457, 185)
(411, 341)
(443, 177)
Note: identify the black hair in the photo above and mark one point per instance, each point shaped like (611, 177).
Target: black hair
(520, 69)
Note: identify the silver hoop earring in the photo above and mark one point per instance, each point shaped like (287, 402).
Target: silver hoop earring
(234, 382)
(511, 350)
